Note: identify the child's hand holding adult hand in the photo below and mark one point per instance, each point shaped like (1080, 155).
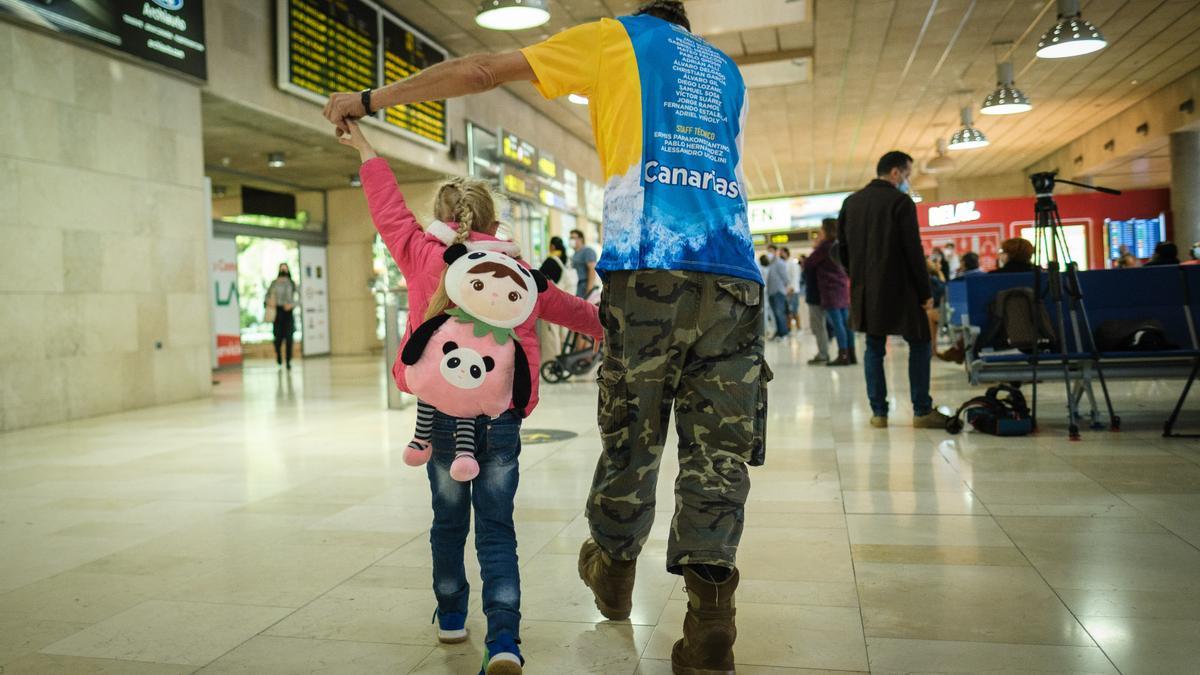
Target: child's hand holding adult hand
(355, 139)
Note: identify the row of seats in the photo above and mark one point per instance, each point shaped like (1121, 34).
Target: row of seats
(1169, 294)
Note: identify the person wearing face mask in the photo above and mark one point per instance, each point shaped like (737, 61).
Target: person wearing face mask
(1195, 255)
(890, 292)
(281, 297)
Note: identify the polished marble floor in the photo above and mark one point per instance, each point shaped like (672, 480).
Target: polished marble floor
(273, 529)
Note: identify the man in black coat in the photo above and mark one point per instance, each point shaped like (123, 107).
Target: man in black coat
(889, 284)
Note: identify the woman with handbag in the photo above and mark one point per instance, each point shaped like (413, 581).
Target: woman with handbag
(280, 303)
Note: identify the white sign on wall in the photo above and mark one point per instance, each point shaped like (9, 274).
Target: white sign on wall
(770, 214)
(226, 315)
(314, 299)
(949, 214)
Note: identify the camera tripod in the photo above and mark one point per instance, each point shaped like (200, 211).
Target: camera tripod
(1066, 296)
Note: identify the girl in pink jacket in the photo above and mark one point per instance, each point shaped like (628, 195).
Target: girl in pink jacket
(465, 208)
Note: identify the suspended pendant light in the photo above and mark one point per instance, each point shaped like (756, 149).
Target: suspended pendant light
(941, 163)
(1006, 99)
(968, 137)
(1071, 36)
(512, 14)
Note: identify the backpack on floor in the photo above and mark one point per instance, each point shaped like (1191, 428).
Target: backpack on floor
(1017, 319)
(1001, 411)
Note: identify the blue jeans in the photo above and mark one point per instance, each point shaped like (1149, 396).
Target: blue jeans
(779, 308)
(919, 354)
(498, 447)
(840, 318)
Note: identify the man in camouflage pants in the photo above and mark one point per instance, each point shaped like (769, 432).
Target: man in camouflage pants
(692, 339)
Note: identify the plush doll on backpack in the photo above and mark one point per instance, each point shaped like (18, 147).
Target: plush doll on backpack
(465, 362)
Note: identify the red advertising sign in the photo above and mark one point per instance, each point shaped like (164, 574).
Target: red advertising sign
(981, 225)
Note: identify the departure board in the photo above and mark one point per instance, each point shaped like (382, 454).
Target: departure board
(327, 46)
(405, 54)
(332, 45)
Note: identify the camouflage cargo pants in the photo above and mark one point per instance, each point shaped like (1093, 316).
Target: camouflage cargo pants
(693, 342)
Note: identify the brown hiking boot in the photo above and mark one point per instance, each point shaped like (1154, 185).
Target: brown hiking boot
(611, 580)
(708, 629)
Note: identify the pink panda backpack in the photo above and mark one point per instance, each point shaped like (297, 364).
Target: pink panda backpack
(465, 362)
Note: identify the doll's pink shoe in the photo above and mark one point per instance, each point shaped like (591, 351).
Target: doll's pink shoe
(418, 452)
(464, 468)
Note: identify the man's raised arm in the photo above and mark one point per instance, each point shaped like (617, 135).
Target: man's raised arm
(458, 77)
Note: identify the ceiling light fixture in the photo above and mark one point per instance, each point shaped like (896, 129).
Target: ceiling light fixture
(941, 163)
(1006, 99)
(968, 137)
(578, 99)
(1071, 36)
(512, 14)
(355, 181)
(275, 160)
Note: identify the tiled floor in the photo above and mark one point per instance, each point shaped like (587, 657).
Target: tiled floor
(273, 529)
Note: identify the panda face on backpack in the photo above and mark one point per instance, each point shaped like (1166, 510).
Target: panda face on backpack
(465, 368)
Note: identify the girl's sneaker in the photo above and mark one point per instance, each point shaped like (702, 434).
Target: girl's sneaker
(502, 657)
(452, 627)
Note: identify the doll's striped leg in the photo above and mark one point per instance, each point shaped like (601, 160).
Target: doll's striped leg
(464, 467)
(421, 447)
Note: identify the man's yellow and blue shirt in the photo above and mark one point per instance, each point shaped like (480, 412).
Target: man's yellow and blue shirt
(668, 111)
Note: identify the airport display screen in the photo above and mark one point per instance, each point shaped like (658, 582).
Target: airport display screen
(332, 46)
(405, 54)
(1139, 236)
(169, 33)
(351, 45)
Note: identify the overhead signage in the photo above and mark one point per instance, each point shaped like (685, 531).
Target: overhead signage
(550, 197)
(325, 46)
(593, 200)
(405, 54)
(516, 183)
(571, 188)
(950, 214)
(517, 151)
(546, 166)
(771, 214)
(169, 33)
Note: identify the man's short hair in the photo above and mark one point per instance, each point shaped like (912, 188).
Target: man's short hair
(784, 252)
(829, 226)
(667, 10)
(772, 247)
(892, 160)
(970, 260)
(578, 233)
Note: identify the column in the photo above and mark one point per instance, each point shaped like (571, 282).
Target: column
(1185, 189)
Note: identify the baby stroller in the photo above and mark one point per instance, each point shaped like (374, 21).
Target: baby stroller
(577, 357)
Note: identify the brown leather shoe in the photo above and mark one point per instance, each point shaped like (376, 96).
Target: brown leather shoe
(709, 629)
(611, 580)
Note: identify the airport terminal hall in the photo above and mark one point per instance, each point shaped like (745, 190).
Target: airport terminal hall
(613, 337)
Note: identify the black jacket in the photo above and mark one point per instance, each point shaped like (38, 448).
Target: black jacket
(881, 249)
(1013, 268)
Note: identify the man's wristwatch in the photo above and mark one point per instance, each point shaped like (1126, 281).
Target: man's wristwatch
(366, 101)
